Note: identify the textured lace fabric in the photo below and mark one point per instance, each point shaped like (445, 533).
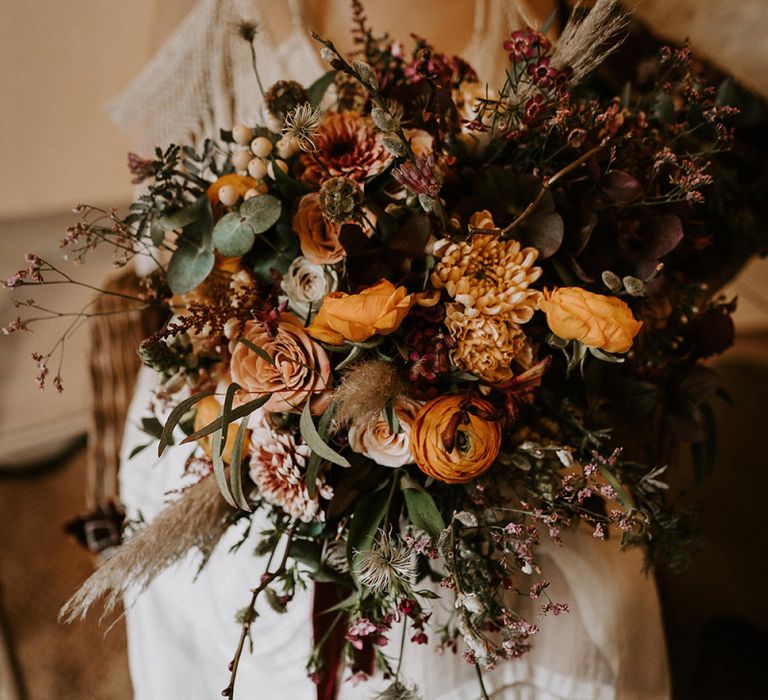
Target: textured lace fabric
(181, 630)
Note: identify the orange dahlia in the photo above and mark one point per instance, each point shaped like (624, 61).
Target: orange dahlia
(346, 144)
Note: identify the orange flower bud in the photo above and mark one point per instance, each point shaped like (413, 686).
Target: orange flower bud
(379, 309)
(597, 321)
(241, 183)
(475, 440)
(206, 411)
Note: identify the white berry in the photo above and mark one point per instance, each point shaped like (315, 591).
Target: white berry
(261, 146)
(242, 134)
(257, 168)
(228, 196)
(253, 192)
(241, 159)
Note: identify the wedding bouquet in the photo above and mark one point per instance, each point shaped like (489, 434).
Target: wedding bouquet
(423, 324)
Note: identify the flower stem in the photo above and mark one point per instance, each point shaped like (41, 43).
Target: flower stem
(266, 580)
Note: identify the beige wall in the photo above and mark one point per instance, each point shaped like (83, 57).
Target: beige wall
(60, 63)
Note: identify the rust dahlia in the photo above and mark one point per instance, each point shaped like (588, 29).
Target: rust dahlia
(346, 144)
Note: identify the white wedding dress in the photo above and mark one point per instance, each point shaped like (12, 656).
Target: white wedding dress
(181, 630)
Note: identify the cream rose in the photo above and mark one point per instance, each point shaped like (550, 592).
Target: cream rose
(306, 284)
(375, 440)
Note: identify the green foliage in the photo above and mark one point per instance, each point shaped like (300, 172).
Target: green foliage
(235, 233)
(316, 443)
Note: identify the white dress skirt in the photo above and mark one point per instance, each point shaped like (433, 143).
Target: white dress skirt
(181, 630)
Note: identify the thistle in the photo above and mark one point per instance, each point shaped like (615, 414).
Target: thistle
(387, 565)
(301, 123)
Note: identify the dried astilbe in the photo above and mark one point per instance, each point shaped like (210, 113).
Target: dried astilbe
(365, 390)
(197, 520)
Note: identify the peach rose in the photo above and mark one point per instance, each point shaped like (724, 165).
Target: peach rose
(476, 438)
(242, 183)
(206, 411)
(356, 317)
(318, 237)
(375, 440)
(299, 370)
(597, 321)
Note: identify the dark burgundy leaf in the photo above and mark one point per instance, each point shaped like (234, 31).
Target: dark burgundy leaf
(621, 187)
(661, 236)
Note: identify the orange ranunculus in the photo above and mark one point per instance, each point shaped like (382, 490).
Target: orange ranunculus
(597, 321)
(319, 238)
(242, 183)
(299, 370)
(206, 411)
(476, 443)
(356, 317)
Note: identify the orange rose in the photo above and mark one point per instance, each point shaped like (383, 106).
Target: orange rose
(206, 411)
(299, 370)
(356, 317)
(597, 321)
(476, 443)
(319, 238)
(242, 183)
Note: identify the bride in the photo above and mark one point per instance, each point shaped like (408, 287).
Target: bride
(182, 629)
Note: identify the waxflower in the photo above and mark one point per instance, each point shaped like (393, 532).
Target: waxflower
(597, 321)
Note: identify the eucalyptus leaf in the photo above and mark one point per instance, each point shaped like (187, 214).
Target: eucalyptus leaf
(288, 187)
(315, 460)
(261, 212)
(233, 235)
(317, 90)
(156, 232)
(236, 471)
(184, 216)
(219, 468)
(261, 352)
(190, 264)
(166, 437)
(315, 442)
(226, 409)
(366, 520)
(244, 410)
(423, 512)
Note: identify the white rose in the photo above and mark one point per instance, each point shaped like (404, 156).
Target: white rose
(305, 284)
(376, 441)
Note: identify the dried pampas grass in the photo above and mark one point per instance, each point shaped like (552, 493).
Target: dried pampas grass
(198, 519)
(587, 39)
(365, 391)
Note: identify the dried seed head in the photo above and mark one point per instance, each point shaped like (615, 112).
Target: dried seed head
(284, 96)
(611, 280)
(634, 286)
(340, 200)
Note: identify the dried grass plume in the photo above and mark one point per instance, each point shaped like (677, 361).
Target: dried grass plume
(589, 37)
(365, 390)
(197, 519)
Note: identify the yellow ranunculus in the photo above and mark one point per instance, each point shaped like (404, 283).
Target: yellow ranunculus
(476, 438)
(379, 309)
(206, 411)
(597, 321)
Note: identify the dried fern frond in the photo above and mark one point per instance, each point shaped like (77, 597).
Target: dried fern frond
(588, 38)
(365, 390)
(197, 520)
